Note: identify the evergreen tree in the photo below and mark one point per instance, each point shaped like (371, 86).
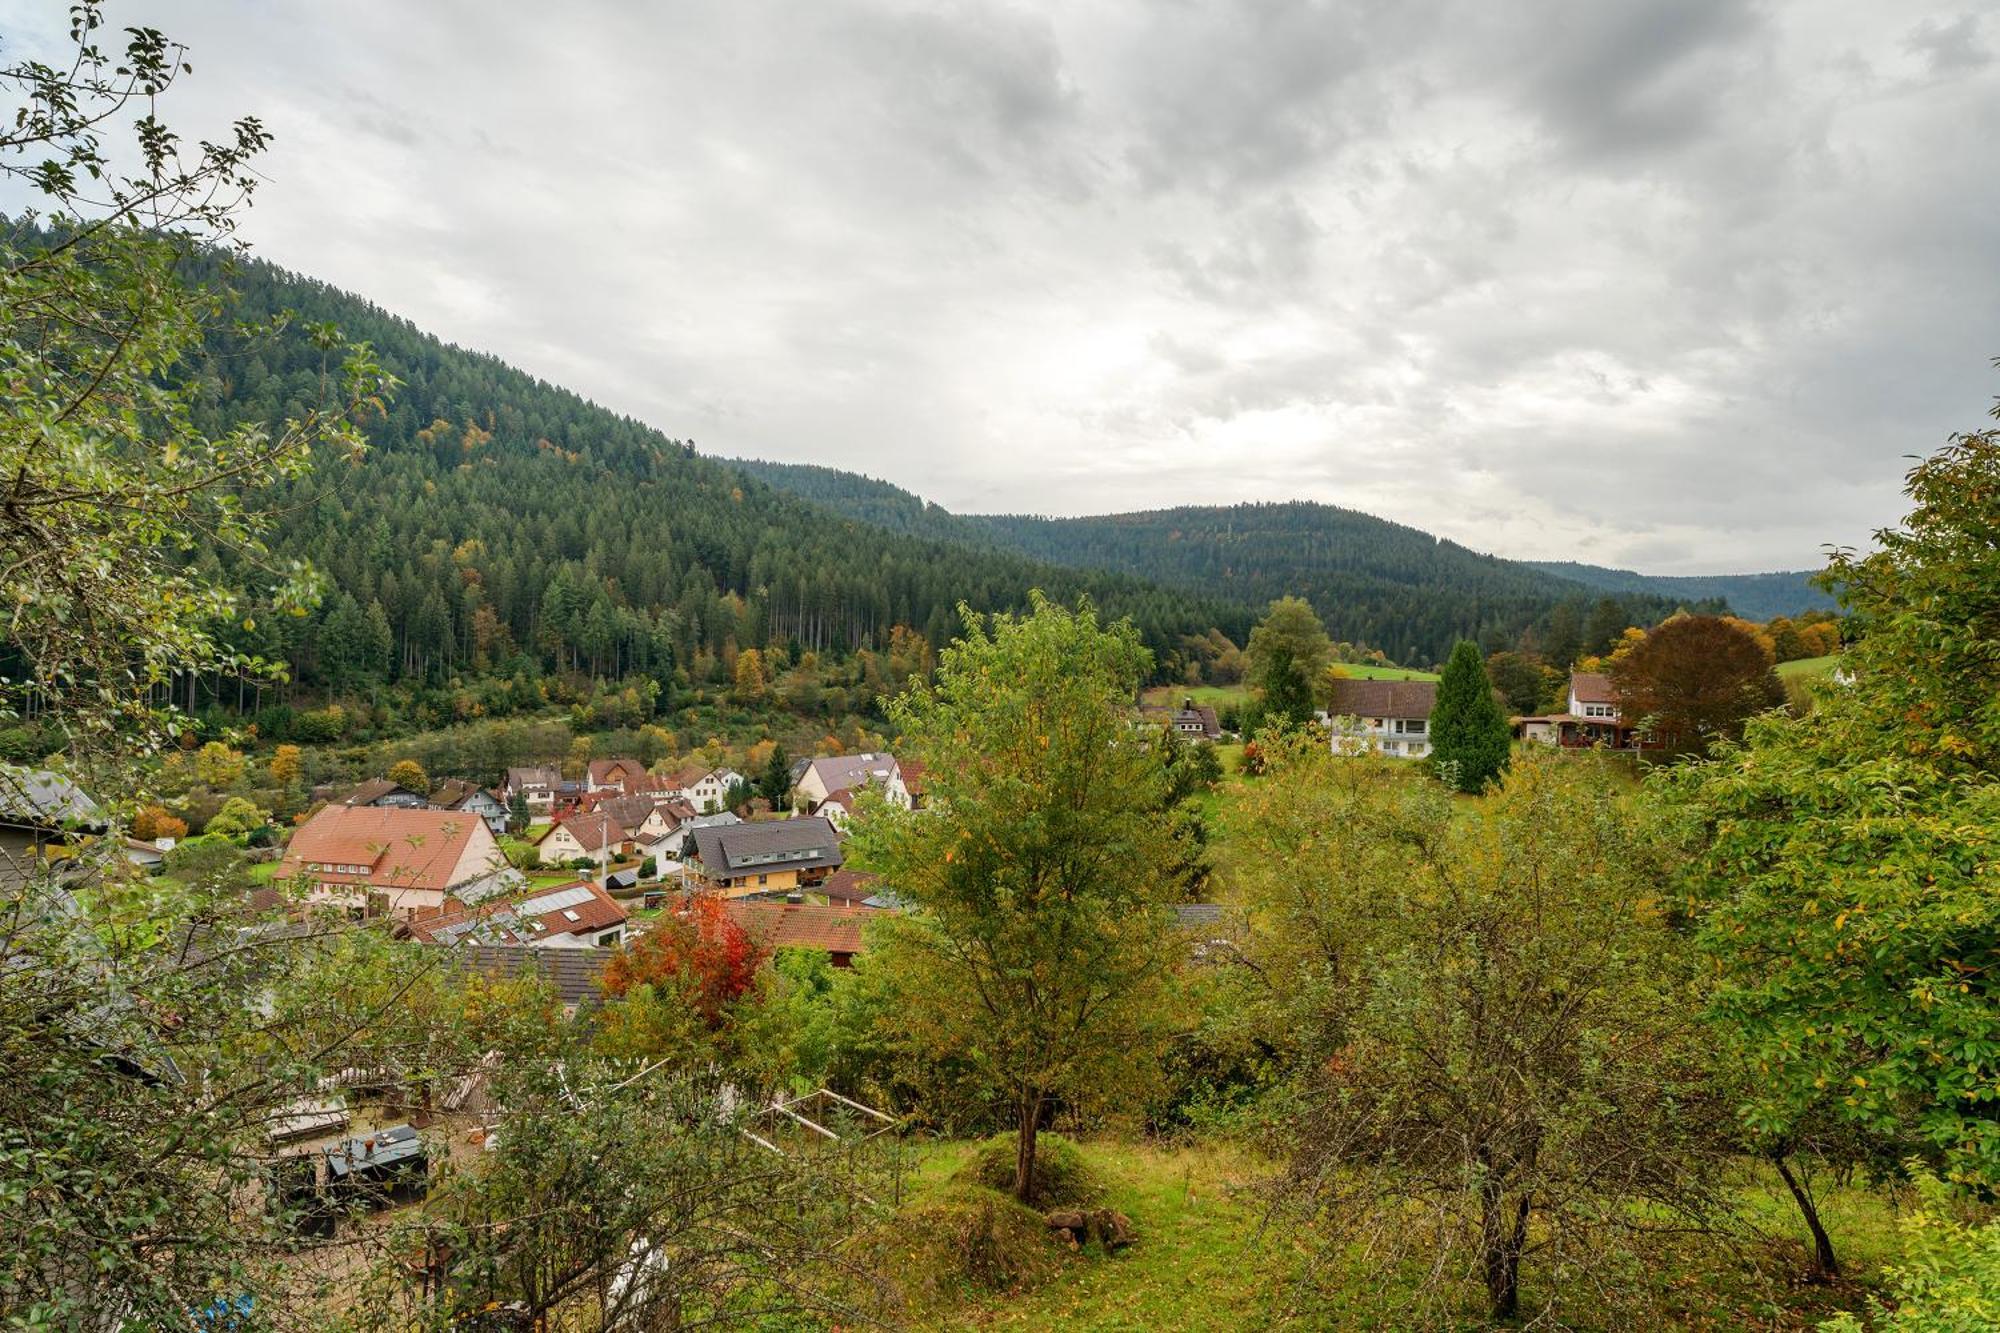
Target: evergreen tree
(1469, 734)
(775, 785)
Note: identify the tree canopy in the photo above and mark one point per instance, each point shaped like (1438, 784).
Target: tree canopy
(1038, 874)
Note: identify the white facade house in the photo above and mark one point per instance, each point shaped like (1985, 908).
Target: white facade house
(823, 777)
(1389, 716)
(707, 792)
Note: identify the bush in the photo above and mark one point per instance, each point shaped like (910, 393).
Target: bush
(963, 1239)
(1949, 1278)
(1062, 1178)
(581, 863)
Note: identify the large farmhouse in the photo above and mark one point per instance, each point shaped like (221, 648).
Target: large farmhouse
(1393, 716)
(1593, 717)
(775, 856)
(383, 861)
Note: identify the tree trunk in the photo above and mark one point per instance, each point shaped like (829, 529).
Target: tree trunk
(1824, 1265)
(1501, 1242)
(1029, 1124)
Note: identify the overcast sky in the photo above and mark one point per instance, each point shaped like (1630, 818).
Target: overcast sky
(1670, 285)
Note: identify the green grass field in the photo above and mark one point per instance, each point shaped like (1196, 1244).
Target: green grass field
(1363, 671)
(1223, 696)
(1806, 667)
(1209, 1257)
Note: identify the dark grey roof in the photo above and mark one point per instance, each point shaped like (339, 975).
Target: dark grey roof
(37, 798)
(574, 973)
(732, 850)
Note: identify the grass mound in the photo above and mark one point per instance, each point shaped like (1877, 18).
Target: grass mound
(1062, 1178)
(964, 1240)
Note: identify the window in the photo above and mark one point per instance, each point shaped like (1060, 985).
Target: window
(1412, 726)
(608, 940)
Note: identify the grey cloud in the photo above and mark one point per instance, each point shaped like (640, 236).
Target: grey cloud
(1672, 283)
(1950, 46)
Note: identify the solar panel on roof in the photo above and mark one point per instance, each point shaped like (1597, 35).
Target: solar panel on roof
(560, 898)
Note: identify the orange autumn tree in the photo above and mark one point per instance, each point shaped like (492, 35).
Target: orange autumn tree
(698, 953)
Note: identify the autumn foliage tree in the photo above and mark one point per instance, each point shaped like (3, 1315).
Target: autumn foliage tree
(410, 774)
(1693, 681)
(698, 954)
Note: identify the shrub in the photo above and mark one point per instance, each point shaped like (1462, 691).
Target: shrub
(966, 1238)
(1062, 1178)
(582, 863)
(1949, 1278)
(156, 822)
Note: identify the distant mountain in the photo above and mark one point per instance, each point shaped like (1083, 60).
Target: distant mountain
(1753, 596)
(502, 527)
(1392, 587)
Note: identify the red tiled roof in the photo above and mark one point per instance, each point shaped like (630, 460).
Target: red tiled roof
(609, 770)
(850, 886)
(593, 831)
(801, 925)
(416, 849)
(507, 917)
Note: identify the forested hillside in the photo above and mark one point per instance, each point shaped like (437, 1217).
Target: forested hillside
(1372, 581)
(503, 525)
(1757, 596)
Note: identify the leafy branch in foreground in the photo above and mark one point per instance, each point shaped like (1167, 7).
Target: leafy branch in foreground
(106, 484)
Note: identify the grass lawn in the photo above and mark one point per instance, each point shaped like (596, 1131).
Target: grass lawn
(542, 879)
(1808, 666)
(1207, 696)
(1223, 696)
(263, 872)
(1206, 1260)
(1362, 671)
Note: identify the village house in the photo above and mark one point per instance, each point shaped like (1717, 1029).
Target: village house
(580, 836)
(1593, 717)
(472, 799)
(1392, 716)
(821, 778)
(383, 794)
(837, 809)
(535, 786)
(834, 930)
(710, 791)
(775, 856)
(1195, 722)
(906, 784)
(606, 774)
(578, 915)
(43, 819)
(676, 842)
(643, 818)
(390, 862)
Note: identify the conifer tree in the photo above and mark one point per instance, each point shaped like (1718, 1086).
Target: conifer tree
(1469, 734)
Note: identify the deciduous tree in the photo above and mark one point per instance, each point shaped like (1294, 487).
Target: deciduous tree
(1288, 651)
(1506, 1064)
(1843, 879)
(1693, 681)
(410, 775)
(1038, 874)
